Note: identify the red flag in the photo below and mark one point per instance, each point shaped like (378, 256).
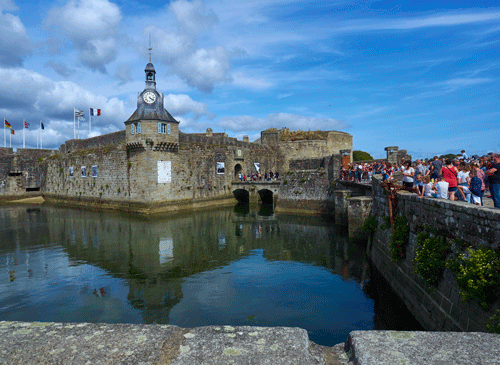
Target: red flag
(98, 112)
(12, 131)
(26, 124)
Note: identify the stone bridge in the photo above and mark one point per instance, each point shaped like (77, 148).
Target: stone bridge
(254, 191)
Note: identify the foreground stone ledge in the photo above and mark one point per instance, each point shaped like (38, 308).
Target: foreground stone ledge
(423, 348)
(88, 343)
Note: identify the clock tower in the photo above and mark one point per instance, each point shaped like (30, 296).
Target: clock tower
(151, 125)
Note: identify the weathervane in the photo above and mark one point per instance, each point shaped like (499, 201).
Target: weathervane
(150, 48)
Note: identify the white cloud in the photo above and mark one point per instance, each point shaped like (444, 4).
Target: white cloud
(183, 104)
(193, 17)
(123, 73)
(15, 44)
(422, 22)
(92, 25)
(199, 67)
(53, 103)
(284, 95)
(248, 82)
(59, 67)
(280, 120)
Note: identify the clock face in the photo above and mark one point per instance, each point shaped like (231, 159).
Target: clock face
(149, 97)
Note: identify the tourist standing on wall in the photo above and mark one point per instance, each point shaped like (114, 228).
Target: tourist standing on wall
(493, 174)
(436, 167)
(408, 174)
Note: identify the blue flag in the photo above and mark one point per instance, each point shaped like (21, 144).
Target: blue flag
(42, 125)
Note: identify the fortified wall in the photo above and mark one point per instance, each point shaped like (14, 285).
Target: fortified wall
(306, 185)
(116, 176)
(21, 173)
(440, 308)
(297, 145)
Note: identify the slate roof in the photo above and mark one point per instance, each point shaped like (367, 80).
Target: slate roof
(150, 114)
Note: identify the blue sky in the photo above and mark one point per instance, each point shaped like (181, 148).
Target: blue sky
(424, 76)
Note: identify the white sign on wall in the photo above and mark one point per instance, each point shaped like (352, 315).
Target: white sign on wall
(164, 172)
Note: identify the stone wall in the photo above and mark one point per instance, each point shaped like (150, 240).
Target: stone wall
(110, 183)
(95, 142)
(129, 178)
(438, 309)
(307, 186)
(21, 171)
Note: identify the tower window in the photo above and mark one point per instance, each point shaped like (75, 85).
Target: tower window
(163, 128)
(132, 128)
(138, 127)
(150, 76)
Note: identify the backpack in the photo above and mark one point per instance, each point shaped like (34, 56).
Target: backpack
(475, 186)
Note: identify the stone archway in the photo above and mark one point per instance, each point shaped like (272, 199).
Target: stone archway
(266, 196)
(242, 195)
(237, 170)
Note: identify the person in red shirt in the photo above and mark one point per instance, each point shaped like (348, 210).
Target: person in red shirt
(450, 173)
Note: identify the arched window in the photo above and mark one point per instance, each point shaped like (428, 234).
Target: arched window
(150, 76)
(132, 128)
(138, 127)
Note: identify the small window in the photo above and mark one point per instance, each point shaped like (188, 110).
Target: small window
(138, 128)
(132, 128)
(163, 128)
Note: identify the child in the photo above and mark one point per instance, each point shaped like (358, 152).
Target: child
(427, 190)
(441, 187)
(419, 184)
(475, 185)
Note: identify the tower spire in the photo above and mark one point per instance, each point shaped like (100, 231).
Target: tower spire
(150, 48)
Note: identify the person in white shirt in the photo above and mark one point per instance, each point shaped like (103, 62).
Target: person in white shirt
(408, 174)
(441, 187)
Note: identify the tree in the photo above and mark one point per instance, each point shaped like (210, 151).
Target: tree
(361, 156)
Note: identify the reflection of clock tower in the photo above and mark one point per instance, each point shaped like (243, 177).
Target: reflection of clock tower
(151, 126)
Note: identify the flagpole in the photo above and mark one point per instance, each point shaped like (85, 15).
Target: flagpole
(10, 139)
(24, 133)
(74, 123)
(90, 121)
(41, 139)
(37, 134)
(4, 127)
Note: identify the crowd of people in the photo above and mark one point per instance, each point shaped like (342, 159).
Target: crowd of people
(461, 178)
(257, 176)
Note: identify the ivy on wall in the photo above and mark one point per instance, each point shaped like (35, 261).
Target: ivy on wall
(430, 258)
(399, 238)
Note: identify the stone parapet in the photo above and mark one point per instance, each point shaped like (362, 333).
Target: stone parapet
(441, 308)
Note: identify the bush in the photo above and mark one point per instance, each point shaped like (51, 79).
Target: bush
(430, 258)
(478, 274)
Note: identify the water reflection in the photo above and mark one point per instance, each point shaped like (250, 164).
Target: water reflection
(232, 266)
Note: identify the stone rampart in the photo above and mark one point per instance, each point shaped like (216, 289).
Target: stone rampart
(215, 139)
(91, 143)
(307, 186)
(441, 308)
(20, 172)
(129, 178)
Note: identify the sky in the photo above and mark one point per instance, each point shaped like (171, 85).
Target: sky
(421, 75)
